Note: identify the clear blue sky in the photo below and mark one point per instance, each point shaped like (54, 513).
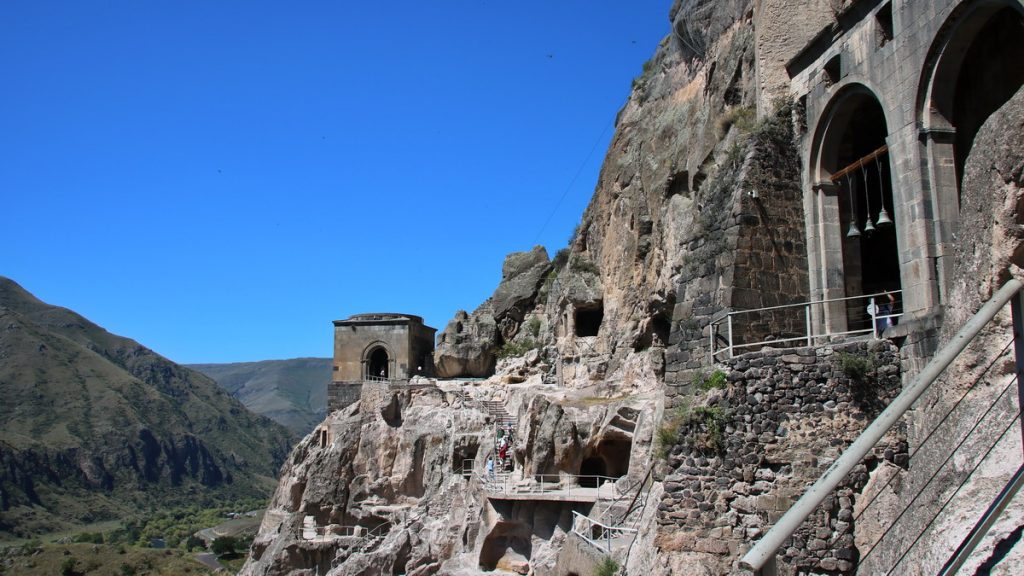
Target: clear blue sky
(221, 180)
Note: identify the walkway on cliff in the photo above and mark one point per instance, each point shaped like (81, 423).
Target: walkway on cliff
(551, 487)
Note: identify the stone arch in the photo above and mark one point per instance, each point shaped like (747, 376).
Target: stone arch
(377, 358)
(958, 70)
(852, 126)
(973, 67)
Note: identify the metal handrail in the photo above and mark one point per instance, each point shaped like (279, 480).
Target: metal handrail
(549, 484)
(607, 533)
(761, 558)
(810, 335)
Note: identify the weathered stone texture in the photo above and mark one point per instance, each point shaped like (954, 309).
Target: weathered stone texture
(789, 413)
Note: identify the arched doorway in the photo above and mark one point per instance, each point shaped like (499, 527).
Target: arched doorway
(377, 363)
(858, 226)
(975, 67)
(972, 68)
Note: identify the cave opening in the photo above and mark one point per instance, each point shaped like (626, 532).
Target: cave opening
(589, 468)
(588, 320)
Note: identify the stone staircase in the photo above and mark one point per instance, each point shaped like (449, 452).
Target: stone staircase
(499, 415)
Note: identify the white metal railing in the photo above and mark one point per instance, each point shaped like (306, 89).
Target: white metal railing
(601, 536)
(874, 310)
(761, 558)
(564, 485)
(311, 532)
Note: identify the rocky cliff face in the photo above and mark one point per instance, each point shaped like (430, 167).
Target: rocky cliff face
(393, 484)
(609, 305)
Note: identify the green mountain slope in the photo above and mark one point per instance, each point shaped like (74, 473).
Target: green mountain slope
(290, 392)
(94, 426)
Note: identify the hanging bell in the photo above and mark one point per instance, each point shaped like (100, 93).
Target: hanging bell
(854, 231)
(883, 219)
(869, 227)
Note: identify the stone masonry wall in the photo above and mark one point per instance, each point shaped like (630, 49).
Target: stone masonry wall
(786, 415)
(747, 250)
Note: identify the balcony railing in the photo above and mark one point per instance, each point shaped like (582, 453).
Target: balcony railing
(803, 324)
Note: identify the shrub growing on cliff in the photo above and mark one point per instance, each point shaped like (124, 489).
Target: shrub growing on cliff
(607, 567)
(854, 366)
(714, 381)
(516, 349)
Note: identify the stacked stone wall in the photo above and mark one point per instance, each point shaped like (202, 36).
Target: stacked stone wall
(788, 414)
(748, 251)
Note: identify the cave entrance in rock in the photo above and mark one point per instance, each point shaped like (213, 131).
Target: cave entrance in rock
(377, 364)
(859, 219)
(588, 320)
(609, 458)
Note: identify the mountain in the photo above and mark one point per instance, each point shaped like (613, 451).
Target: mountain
(95, 426)
(292, 393)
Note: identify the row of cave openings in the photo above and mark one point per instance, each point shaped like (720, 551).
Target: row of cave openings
(975, 68)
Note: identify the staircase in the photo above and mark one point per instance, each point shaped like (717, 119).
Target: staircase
(499, 416)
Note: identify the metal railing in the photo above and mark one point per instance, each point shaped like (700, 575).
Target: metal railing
(565, 485)
(312, 532)
(601, 536)
(784, 325)
(762, 557)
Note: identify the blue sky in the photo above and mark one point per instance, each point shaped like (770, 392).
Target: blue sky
(220, 180)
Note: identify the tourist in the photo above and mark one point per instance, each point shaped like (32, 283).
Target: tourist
(490, 468)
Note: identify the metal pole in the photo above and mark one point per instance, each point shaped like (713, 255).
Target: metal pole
(711, 333)
(730, 335)
(872, 311)
(1017, 311)
(807, 321)
(794, 517)
(984, 524)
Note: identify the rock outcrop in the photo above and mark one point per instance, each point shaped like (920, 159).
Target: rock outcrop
(393, 483)
(469, 344)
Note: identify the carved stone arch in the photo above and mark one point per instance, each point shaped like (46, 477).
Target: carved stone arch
(853, 124)
(377, 356)
(973, 66)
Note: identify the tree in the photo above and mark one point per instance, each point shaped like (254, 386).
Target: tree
(224, 546)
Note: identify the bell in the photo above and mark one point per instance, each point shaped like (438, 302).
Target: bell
(883, 219)
(869, 227)
(854, 231)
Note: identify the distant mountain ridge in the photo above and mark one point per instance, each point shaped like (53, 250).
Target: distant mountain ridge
(95, 426)
(293, 392)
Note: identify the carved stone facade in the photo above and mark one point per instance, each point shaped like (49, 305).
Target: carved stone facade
(918, 78)
(378, 346)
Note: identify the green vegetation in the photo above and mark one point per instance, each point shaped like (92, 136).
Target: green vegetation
(224, 546)
(855, 366)
(98, 559)
(744, 118)
(641, 82)
(607, 567)
(702, 427)
(580, 264)
(533, 326)
(178, 525)
(704, 382)
(517, 348)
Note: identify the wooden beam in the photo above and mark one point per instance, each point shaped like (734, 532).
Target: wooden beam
(858, 163)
